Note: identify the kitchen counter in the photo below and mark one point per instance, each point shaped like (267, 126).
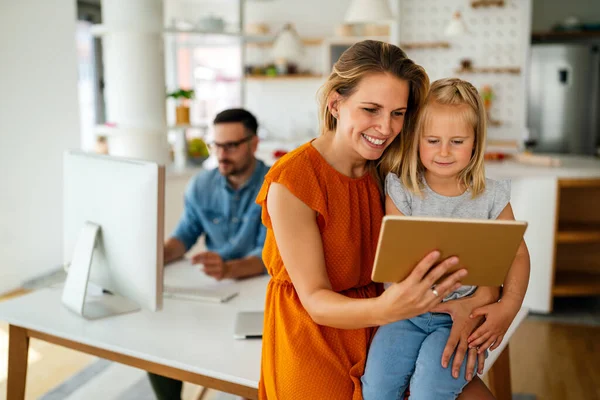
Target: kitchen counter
(544, 196)
(571, 167)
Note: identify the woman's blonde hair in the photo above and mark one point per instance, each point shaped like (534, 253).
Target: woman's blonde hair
(455, 93)
(372, 57)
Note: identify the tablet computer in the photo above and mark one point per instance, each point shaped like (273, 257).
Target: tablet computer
(486, 248)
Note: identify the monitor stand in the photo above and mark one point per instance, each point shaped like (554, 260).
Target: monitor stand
(75, 289)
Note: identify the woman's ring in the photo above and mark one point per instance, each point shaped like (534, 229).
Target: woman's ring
(435, 292)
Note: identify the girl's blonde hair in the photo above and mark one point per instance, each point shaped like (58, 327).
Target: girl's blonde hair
(455, 93)
(371, 57)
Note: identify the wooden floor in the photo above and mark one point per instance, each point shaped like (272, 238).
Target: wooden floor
(552, 361)
(556, 361)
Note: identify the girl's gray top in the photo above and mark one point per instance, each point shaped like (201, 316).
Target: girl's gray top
(487, 205)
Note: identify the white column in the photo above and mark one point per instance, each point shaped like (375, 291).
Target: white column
(134, 78)
(395, 24)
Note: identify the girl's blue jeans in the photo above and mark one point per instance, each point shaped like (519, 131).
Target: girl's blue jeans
(409, 352)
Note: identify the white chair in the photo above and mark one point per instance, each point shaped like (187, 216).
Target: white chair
(497, 365)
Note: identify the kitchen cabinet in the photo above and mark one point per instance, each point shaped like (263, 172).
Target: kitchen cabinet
(562, 207)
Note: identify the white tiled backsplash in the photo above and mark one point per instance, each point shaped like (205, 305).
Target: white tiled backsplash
(498, 37)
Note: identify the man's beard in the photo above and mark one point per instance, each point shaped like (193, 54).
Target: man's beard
(236, 170)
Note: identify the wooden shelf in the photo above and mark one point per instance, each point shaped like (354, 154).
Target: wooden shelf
(565, 35)
(283, 77)
(574, 283)
(577, 232)
(577, 247)
(355, 39)
(487, 3)
(579, 183)
(490, 70)
(512, 144)
(269, 40)
(425, 45)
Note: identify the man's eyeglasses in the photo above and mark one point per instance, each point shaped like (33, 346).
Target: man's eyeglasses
(228, 146)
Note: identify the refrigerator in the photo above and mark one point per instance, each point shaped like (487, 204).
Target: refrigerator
(564, 98)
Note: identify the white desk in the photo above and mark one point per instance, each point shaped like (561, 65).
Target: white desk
(188, 340)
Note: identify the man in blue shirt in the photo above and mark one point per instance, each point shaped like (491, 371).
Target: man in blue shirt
(220, 204)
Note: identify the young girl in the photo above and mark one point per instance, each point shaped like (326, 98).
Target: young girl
(442, 174)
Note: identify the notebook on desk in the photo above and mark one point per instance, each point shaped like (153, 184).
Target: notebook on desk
(186, 281)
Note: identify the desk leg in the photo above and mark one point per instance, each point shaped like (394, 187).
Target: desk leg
(18, 349)
(499, 377)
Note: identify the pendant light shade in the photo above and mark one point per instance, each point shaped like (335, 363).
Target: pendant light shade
(288, 45)
(457, 26)
(375, 11)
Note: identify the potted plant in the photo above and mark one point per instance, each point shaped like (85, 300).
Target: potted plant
(182, 112)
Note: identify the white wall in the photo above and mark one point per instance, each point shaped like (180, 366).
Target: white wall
(285, 109)
(546, 13)
(39, 118)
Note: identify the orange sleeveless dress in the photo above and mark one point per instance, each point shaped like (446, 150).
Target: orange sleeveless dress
(300, 359)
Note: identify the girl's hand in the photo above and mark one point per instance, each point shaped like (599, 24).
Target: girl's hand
(498, 317)
(415, 295)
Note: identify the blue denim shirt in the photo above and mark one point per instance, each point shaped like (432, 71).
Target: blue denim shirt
(230, 218)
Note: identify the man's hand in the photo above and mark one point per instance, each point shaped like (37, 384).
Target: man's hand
(174, 249)
(214, 265)
(498, 317)
(233, 269)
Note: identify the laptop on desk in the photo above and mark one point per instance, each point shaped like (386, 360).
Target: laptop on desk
(249, 325)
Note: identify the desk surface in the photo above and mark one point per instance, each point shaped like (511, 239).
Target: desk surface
(189, 335)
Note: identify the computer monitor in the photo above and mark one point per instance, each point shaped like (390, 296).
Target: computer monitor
(113, 233)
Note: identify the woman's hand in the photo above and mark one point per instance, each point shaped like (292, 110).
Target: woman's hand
(416, 295)
(462, 326)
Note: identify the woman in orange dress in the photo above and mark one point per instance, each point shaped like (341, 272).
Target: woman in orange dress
(322, 206)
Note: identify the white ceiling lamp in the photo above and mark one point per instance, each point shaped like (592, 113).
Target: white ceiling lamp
(457, 26)
(288, 45)
(376, 11)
